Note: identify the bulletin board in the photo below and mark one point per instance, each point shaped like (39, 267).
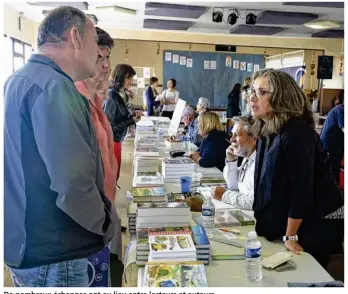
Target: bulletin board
(208, 74)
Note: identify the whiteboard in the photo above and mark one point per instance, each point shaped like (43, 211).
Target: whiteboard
(176, 119)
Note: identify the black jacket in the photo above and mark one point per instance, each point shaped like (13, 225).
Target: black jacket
(293, 179)
(213, 150)
(118, 115)
(233, 104)
(150, 101)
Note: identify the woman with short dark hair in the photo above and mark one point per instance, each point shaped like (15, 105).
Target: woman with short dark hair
(119, 108)
(150, 96)
(296, 196)
(233, 102)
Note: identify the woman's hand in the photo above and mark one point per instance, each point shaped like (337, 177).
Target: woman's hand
(293, 246)
(195, 157)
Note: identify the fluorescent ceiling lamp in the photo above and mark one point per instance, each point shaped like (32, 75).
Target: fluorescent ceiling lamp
(323, 24)
(118, 9)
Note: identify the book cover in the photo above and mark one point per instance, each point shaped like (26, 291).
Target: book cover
(149, 174)
(140, 181)
(175, 275)
(222, 219)
(174, 244)
(200, 238)
(243, 218)
(175, 161)
(148, 191)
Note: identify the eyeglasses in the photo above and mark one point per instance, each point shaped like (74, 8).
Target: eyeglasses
(259, 93)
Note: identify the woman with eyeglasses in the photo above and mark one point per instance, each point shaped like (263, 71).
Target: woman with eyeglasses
(296, 196)
(119, 108)
(212, 151)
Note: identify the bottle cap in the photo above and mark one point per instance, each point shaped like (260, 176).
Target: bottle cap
(252, 234)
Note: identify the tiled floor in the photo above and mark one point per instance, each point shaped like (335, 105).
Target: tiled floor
(125, 183)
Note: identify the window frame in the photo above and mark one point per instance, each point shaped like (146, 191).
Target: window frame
(18, 55)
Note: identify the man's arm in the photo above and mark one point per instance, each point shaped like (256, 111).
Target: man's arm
(239, 200)
(231, 175)
(64, 142)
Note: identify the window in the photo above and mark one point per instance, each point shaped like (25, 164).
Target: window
(17, 53)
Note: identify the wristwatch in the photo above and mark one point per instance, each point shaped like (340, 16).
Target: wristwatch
(293, 238)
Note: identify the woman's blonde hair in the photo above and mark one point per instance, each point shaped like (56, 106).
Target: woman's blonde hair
(287, 101)
(209, 121)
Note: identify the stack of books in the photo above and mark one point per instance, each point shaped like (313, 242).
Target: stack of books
(164, 126)
(190, 274)
(139, 134)
(146, 151)
(174, 168)
(198, 235)
(171, 248)
(148, 194)
(148, 181)
(132, 214)
(163, 214)
(146, 164)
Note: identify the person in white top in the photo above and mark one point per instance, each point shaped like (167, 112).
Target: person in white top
(169, 98)
(240, 180)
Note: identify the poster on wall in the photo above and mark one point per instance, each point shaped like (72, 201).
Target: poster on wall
(168, 56)
(256, 67)
(175, 58)
(147, 73)
(206, 64)
(213, 64)
(141, 83)
(250, 67)
(243, 65)
(235, 64)
(182, 60)
(189, 62)
(228, 61)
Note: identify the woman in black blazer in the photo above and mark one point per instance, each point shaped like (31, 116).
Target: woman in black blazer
(151, 95)
(296, 197)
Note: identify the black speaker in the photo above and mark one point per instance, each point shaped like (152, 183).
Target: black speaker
(325, 66)
(226, 48)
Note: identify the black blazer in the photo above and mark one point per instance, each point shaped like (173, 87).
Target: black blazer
(150, 101)
(293, 179)
(118, 115)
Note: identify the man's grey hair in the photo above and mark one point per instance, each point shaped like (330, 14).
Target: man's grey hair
(188, 111)
(57, 22)
(204, 102)
(247, 121)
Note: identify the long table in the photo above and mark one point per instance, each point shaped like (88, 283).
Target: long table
(230, 273)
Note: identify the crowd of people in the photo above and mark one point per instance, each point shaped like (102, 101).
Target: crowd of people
(66, 119)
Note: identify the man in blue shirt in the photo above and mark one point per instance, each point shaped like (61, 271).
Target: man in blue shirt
(190, 120)
(332, 136)
(56, 210)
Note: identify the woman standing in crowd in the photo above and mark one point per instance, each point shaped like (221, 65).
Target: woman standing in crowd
(212, 151)
(296, 196)
(233, 102)
(89, 88)
(151, 95)
(203, 105)
(119, 108)
(169, 98)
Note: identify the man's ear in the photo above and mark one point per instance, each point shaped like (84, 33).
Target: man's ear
(76, 38)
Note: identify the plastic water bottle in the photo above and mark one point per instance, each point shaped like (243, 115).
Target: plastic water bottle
(208, 215)
(253, 267)
(187, 142)
(160, 134)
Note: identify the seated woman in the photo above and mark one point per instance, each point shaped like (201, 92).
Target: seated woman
(296, 197)
(212, 151)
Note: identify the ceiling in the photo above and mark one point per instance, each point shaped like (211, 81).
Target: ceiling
(287, 26)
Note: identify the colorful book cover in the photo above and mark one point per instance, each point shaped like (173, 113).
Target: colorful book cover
(200, 237)
(148, 191)
(175, 275)
(149, 174)
(170, 243)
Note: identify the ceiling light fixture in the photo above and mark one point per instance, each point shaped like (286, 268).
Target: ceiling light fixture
(323, 24)
(217, 16)
(250, 19)
(233, 17)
